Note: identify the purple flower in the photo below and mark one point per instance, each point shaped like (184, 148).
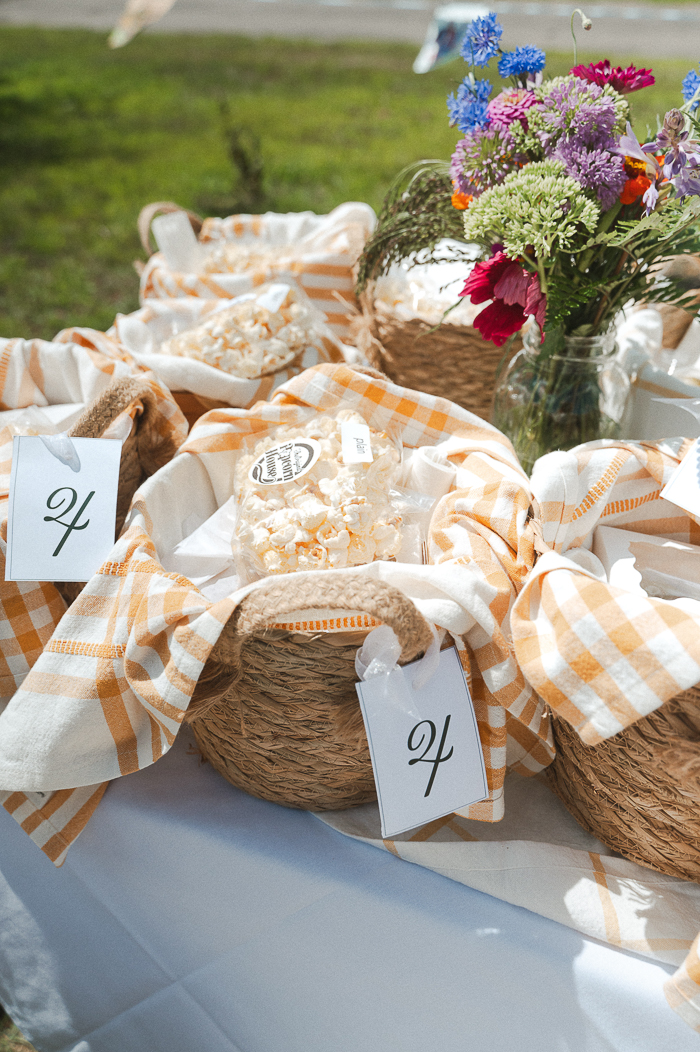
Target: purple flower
(484, 158)
(673, 138)
(579, 111)
(597, 170)
(691, 83)
(682, 159)
(480, 43)
(469, 110)
(651, 196)
(523, 60)
(688, 182)
(629, 146)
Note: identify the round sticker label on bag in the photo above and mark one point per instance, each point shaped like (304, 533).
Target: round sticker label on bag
(285, 462)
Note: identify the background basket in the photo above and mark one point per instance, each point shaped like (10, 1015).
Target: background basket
(639, 791)
(452, 361)
(275, 710)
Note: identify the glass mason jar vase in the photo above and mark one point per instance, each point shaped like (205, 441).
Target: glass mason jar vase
(546, 401)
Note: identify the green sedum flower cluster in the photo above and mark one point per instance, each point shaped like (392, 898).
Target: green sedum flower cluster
(539, 209)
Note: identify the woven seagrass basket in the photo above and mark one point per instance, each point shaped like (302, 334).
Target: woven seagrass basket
(275, 710)
(452, 361)
(639, 791)
(143, 451)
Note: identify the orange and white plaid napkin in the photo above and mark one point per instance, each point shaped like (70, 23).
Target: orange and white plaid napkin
(600, 656)
(113, 684)
(326, 248)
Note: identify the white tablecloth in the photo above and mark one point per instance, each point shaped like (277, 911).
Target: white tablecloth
(246, 927)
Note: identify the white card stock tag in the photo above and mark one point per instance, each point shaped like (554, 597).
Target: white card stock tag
(424, 743)
(357, 448)
(63, 507)
(683, 487)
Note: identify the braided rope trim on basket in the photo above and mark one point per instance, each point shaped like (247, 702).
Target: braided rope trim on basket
(280, 596)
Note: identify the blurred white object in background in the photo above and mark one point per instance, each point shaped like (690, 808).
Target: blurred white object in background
(427, 290)
(445, 34)
(177, 241)
(136, 16)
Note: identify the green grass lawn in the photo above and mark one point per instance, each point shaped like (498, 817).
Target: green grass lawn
(88, 136)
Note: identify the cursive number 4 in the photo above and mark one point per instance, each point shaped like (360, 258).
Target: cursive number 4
(62, 510)
(424, 758)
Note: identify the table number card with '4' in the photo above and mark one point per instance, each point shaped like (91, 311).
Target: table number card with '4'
(62, 509)
(424, 743)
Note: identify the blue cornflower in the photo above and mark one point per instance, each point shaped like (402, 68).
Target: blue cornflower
(470, 109)
(526, 59)
(691, 83)
(481, 41)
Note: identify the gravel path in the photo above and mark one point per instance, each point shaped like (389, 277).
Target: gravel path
(643, 31)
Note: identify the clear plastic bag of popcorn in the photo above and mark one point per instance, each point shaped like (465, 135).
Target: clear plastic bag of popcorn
(257, 334)
(235, 258)
(318, 495)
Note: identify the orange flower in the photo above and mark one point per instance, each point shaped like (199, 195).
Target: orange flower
(635, 166)
(634, 188)
(638, 182)
(461, 201)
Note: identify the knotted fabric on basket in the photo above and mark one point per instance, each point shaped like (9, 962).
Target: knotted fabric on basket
(114, 682)
(324, 251)
(605, 658)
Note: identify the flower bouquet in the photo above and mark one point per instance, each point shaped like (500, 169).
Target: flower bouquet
(576, 219)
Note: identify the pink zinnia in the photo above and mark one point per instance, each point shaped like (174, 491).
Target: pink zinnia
(622, 80)
(511, 106)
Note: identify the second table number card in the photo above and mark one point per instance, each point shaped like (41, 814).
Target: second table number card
(60, 524)
(683, 487)
(424, 744)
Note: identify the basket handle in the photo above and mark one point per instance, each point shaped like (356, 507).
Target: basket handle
(148, 214)
(327, 590)
(116, 397)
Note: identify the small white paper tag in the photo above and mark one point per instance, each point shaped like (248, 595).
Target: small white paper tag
(285, 462)
(357, 448)
(424, 743)
(273, 298)
(683, 487)
(60, 524)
